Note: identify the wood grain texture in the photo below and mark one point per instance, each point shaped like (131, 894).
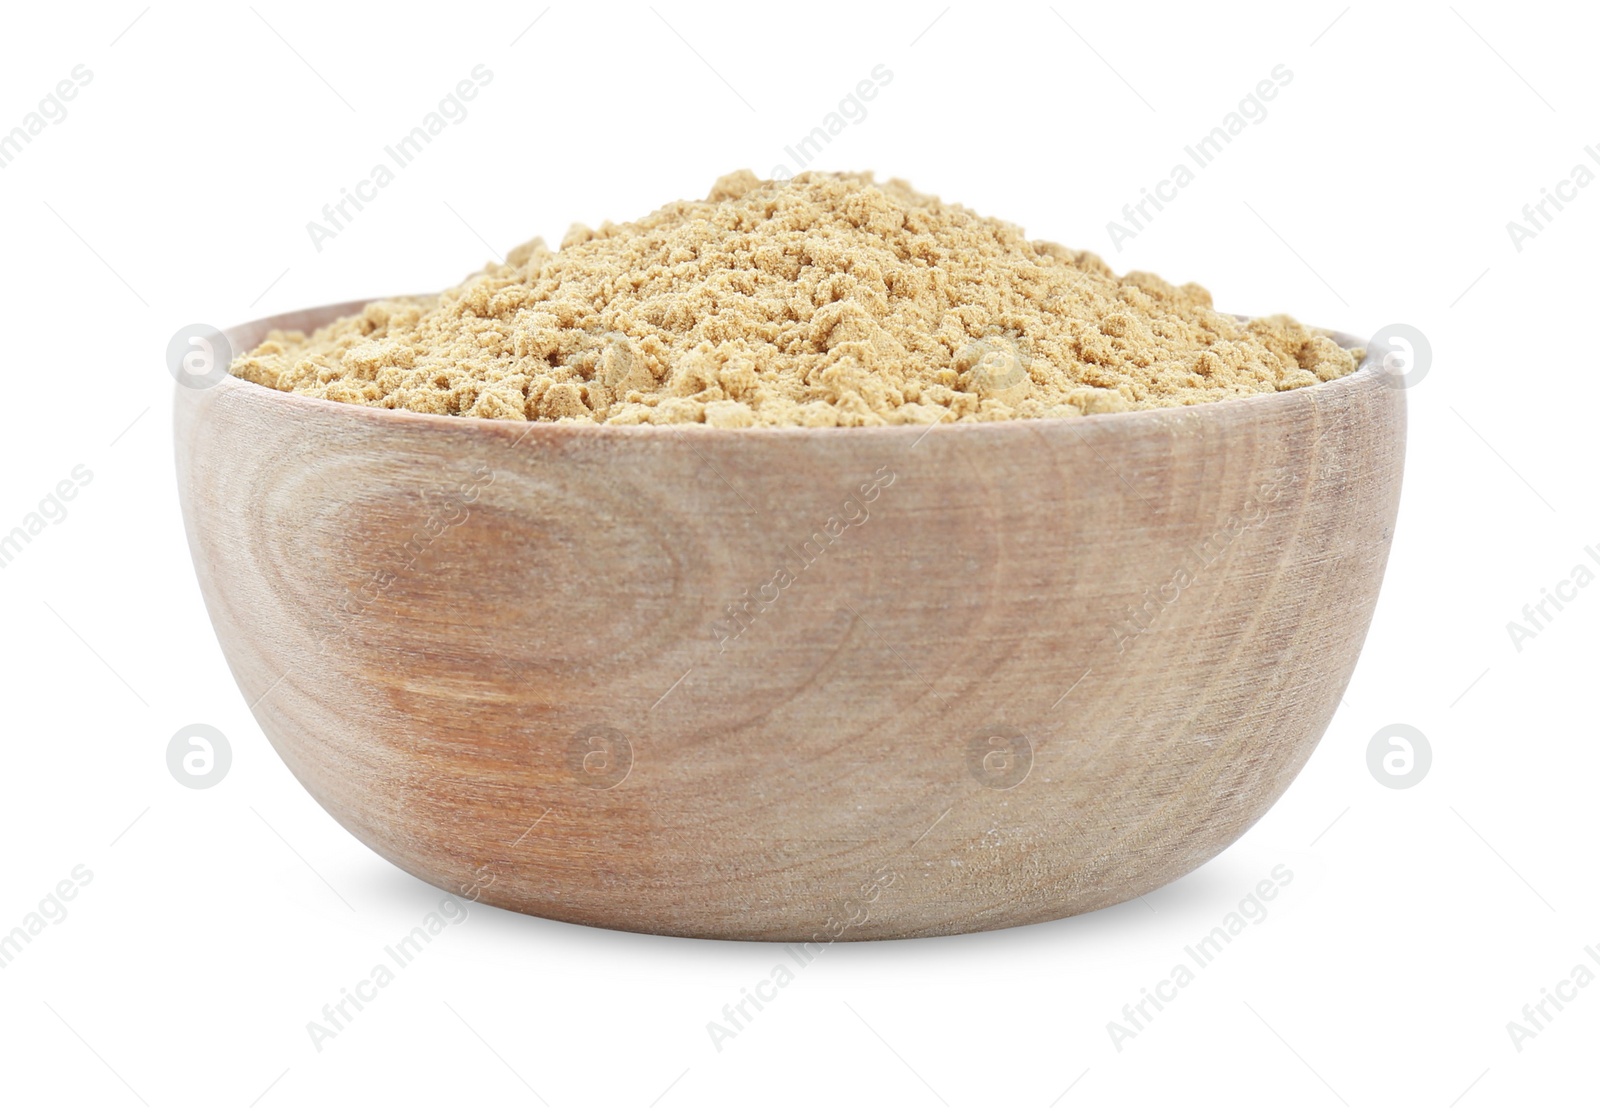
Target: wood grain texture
(1049, 666)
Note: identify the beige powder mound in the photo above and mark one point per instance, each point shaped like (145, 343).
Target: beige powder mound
(827, 300)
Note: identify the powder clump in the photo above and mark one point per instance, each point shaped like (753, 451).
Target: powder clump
(825, 300)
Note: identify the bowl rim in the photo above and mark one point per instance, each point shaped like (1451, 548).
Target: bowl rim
(1363, 377)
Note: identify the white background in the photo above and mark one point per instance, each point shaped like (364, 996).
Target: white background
(1377, 190)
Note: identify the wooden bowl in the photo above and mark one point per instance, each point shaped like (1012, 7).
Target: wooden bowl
(792, 684)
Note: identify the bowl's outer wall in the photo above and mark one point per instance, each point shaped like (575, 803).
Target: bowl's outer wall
(1050, 665)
